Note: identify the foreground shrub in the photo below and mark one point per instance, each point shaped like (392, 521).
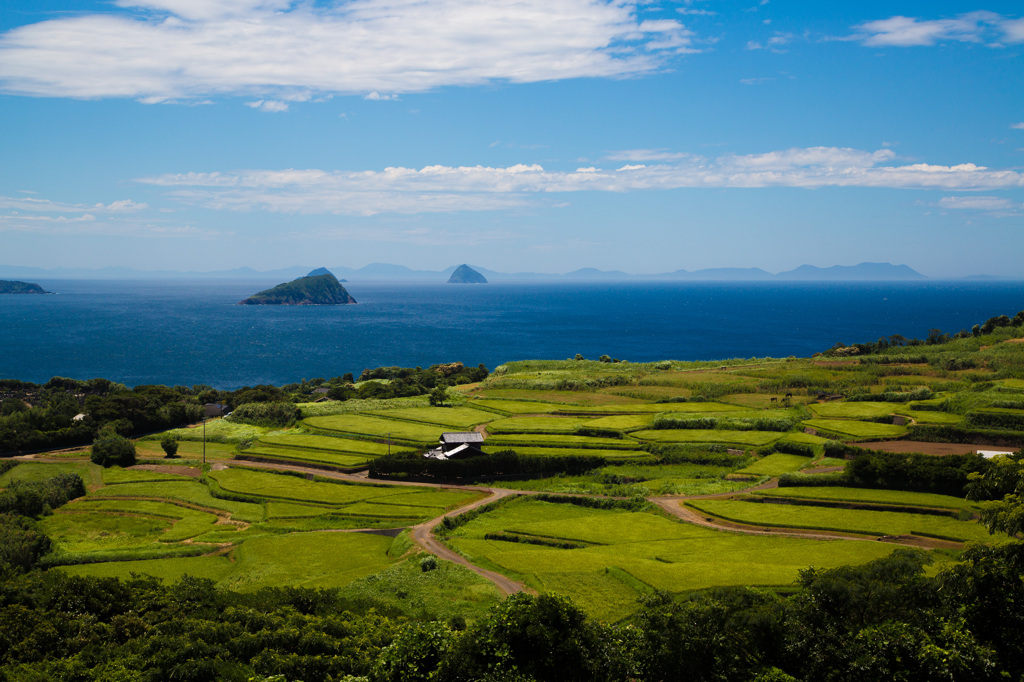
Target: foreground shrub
(113, 450)
(277, 414)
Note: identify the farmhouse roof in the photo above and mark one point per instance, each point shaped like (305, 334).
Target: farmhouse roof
(462, 437)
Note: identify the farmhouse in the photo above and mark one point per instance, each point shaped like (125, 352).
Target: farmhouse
(457, 445)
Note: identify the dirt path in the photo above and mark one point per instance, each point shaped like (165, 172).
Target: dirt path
(422, 534)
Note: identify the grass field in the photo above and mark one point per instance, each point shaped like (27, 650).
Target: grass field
(327, 443)
(415, 501)
(536, 425)
(377, 427)
(857, 429)
(187, 450)
(728, 437)
(631, 455)
(639, 548)
(554, 440)
(115, 474)
(301, 455)
(40, 471)
(192, 492)
(776, 464)
(854, 410)
(844, 520)
(458, 418)
(170, 569)
(626, 422)
(217, 430)
(900, 497)
(308, 560)
(629, 480)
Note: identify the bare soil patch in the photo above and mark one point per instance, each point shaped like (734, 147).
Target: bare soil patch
(178, 470)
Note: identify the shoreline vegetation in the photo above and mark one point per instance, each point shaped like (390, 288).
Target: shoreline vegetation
(843, 516)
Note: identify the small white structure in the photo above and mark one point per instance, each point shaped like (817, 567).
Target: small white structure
(457, 445)
(989, 454)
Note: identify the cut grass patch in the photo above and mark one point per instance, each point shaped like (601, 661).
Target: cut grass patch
(377, 427)
(856, 429)
(843, 520)
(776, 464)
(461, 418)
(308, 560)
(854, 410)
(536, 425)
(507, 441)
(742, 438)
(655, 551)
(870, 495)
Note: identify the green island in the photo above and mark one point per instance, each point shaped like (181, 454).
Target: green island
(319, 287)
(853, 515)
(466, 275)
(14, 287)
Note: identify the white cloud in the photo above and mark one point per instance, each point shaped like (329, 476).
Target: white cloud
(972, 27)
(33, 205)
(377, 97)
(774, 43)
(992, 204)
(118, 218)
(1018, 126)
(645, 155)
(477, 188)
(269, 105)
(170, 50)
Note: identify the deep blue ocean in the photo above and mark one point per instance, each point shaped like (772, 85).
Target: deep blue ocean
(190, 332)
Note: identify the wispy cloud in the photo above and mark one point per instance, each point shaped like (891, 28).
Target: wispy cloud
(277, 50)
(118, 218)
(996, 205)
(268, 105)
(1018, 126)
(972, 27)
(435, 189)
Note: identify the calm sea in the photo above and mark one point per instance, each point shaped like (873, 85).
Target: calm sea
(189, 332)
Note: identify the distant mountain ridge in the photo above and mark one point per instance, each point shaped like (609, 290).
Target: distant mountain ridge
(862, 272)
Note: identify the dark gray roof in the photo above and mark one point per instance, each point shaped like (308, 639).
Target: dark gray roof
(462, 437)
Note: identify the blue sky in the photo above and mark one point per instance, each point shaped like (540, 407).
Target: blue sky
(520, 135)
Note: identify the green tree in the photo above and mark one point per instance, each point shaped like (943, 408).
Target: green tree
(113, 449)
(170, 447)
(438, 396)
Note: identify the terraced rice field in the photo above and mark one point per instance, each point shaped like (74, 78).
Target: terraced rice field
(377, 427)
(871, 495)
(536, 425)
(857, 429)
(459, 418)
(629, 553)
(725, 436)
(776, 464)
(843, 520)
(560, 440)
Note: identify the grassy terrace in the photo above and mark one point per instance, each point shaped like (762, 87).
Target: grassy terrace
(776, 464)
(725, 436)
(856, 429)
(627, 554)
(843, 520)
(377, 427)
(869, 495)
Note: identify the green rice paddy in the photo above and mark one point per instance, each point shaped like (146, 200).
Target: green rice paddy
(843, 520)
(857, 429)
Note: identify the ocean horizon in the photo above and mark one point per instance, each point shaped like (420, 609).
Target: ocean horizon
(191, 332)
